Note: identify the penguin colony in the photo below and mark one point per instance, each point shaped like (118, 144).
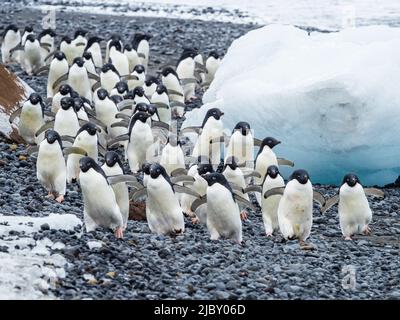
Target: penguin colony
(102, 99)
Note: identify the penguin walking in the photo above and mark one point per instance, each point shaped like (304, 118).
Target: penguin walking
(185, 70)
(140, 43)
(163, 212)
(86, 139)
(171, 81)
(295, 208)
(93, 46)
(27, 31)
(66, 120)
(241, 144)
(58, 67)
(161, 101)
(50, 166)
(114, 37)
(11, 39)
(46, 38)
(112, 167)
(32, 54)
(118, 59)
(31, 119)
(99, 201)
(132, 56)
(354, 211)
(78, 78)
(212, 64)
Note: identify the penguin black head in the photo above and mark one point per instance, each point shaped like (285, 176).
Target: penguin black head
(74, 94)
(231, 162)
(111, 158)
(59, 55)
(28, 29)
(204, 168)
(214, 54)
(301, 176)
(107, 67)
(351, 179)
(79, 62)
(161, 89)
(138, 91)
(78, 103)
(138, 116)
(35, 98)
(139, 37)
(139, 68)
(31, 38)
(151, 110)
(141, 107)
(102, 94)
(214, 113)
(87, 55)
(66, 39)
(127, 47)
(150, 80)
(80, 32)
(146, 168)
(47, 32)
(11, 27)
(89, 127)
(87, 163)
(67, 102)
(65, 89)
(273, 171)
(270, 142)
(169, 70)
(121, 87)
(91, 41)
(116, 44)
(188, 53)
(216, 177)
(244, 128)
(116, 98)
(51, 136)
(156, 170)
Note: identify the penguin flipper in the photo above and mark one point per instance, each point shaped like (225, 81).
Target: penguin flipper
(252, 174)
(46, 46)
(122, 123)
(101, 149)
(330, 203)
(93, 76)
(49, 55)
(318, 197)
(125, 103)
(43, 128)
(170, 91)
(191, 129)
(175, 103)
(68, 139)
(96, 86)
(98, 123)
(15, 114)
(244, 201)
(136, 195)
(200, 67)
(284, 162)
(129, 77)
(49, 114)
(274, 191)
(32, 150)
(160, 105)
(182, 178)
(178, 172)
(182, 189)
(186, 81)
(257, 142)
(80, 44)
(121, 115)
(220, 139)
(18, 47)
(198, 202)
(75, 150)
(136, 185)
(236, 187)
(374, 192)
(121, 178)
(117, 139)
(59, 80)
(253, 189)
(48, 100)
(40, 70)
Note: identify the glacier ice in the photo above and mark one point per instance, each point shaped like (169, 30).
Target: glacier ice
(333, 99)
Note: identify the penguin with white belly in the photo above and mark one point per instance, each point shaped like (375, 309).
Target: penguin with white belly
(32, 54)
(114, 37)
(170, 80)
(93, 46)
(241, 144)
(86, 139)
(31, 119)
(140, 43)
(100, 204)
(113, 166)
(185, 70)
(68, 48)
(137, 77)
(58, 67)
(11, 39)
(27, 31)
(78, 78)
(172, 156)
(355, 213)
(90, 67)
(161, 101)
(46, 39)
(132, 56)
(109, 77)
(79, 42)
(66, 120)
(117, 58)
(150, 85)
(212, 64)
(50, 166)
(295, 210)
(223, 217)
(65, 90)
(79, 105)
(163, 212)
(120, 89)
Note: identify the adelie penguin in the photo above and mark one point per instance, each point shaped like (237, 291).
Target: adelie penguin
(11, 39)
(31, 118)
(32, 54)
(114, 37)
(27, 31)
(132, 56)
(185, 71)
(113, 167)
(212, 64)
(161, 101)
(150, 85)
(66, 120)
(118, 59)
(68, 48)
(90, 67)
(46, 39)
(140, 43)
(79, 42)
(99, 201)
(170, 80)
(295, 210)
(78, 78)
(137, 77)
(58, 67)
(355, 213)
(65, 90)
(109, 76)
(93, 46)
(172, 156)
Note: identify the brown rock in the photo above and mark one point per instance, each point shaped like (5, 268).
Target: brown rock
(137, 210)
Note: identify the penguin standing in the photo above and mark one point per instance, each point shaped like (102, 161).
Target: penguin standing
(65, 90)
(212, 64)
(161, 101)
(163, 212)
(234, 175)
(114, 37)
(354, 211)
(112, 166)
(78, 78)
(86, 139)
(89, 65)
(32, 54)
(50, 166)
(68, 48)
(118, 59)
(138, 76)
(27, 31)
(46, 39)
(93, 46)
(140, 43)
(58, 67)
(31, 119)
(241, 144)
(66, 120)
(185, 70)
(132, 56)
(11, 39)
(120, 89)
(150, 85)
(100, 204)
(172, 156)
(109, 77)
(79, 42)
(223, 217)
(171, 81)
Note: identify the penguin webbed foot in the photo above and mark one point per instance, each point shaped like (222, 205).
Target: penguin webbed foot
(119, 233)
(50, 195)
(366, 230)
(348, 238)
(306, 246)
(243, 215)
(60, 198)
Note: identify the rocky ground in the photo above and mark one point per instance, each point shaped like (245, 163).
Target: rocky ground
(146, 266)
